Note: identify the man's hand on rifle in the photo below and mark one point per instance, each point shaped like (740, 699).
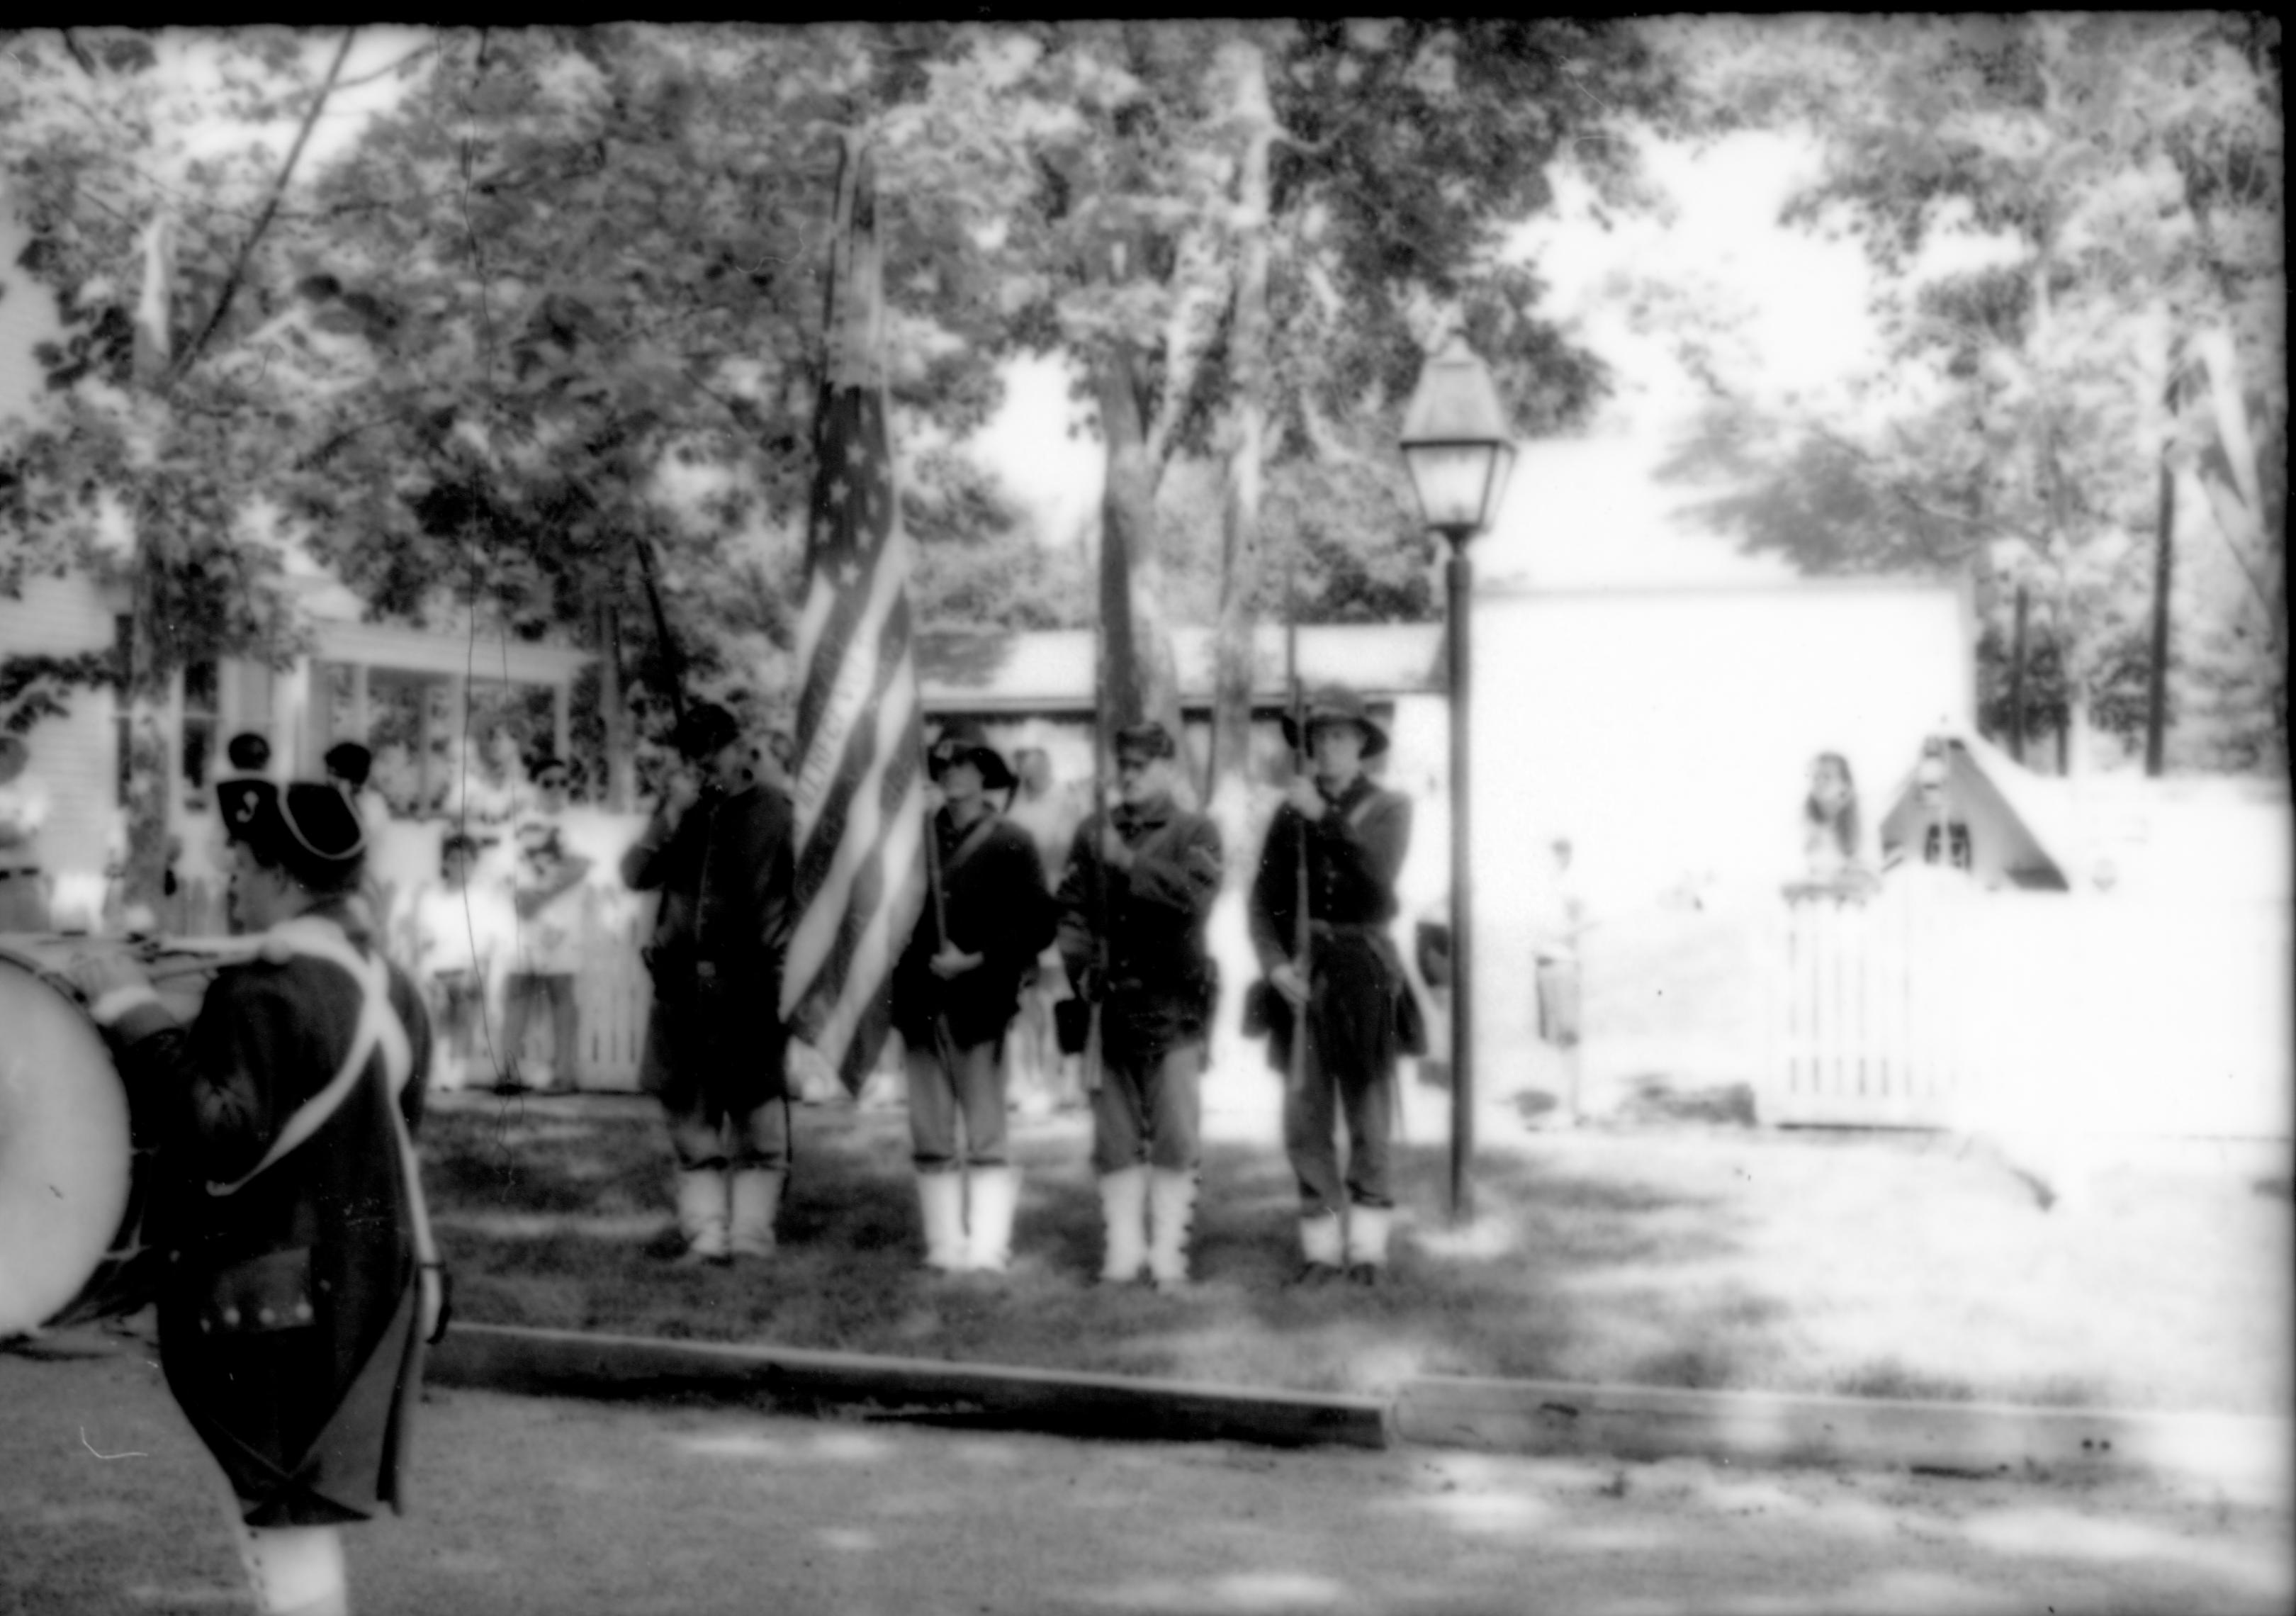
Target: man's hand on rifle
(680, 792)
(953, 962)
(1289, 982)
(1304, 798)
(1113, 851)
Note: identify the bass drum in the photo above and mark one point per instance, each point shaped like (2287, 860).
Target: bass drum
(74, 1179)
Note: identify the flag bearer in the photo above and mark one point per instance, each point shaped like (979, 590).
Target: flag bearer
(718, 850)
(955, 992)
(1354, 993)
(1135, 904)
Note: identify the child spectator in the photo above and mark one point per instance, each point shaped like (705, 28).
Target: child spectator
(545, 888)
(456, 943)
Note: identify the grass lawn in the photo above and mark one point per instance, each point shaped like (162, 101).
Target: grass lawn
(1656, 1253)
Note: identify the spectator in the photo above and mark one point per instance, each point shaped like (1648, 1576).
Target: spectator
(1832, 830)
(1044, 1078)
(546, 893)
(1559, 919)
(348, 765)
(23, 809)
(456, 942)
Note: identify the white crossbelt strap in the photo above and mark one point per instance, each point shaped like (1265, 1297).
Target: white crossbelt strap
(379, 1028)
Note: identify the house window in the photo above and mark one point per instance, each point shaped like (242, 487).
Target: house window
(202, 716)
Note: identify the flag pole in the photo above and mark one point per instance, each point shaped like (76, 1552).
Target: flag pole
(1296, 1072)
(1096, 978)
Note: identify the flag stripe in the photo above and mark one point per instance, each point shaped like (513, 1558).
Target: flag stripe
(858, 793)
(851, 822)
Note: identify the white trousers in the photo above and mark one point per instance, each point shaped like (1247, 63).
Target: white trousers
(295, 1571)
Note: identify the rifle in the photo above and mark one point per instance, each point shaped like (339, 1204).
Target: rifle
(1096, 982)
(1295, 1077)
(943, 1041)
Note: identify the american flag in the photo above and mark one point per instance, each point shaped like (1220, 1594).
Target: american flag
(860, 786)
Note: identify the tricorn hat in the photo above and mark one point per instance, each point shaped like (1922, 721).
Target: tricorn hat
(309, 827)
(1337, 704)
(705, 729)
(965, 740)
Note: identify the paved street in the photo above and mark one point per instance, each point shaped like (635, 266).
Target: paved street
(107, 1505)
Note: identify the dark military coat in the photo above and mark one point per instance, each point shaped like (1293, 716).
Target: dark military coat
(993, 895)
(1356, 984)
(1160, 984)
(289, 1312)
(714, 1039)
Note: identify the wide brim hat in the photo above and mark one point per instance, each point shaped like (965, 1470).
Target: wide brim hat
(1336, 704)
(965, 741)
(309, 827)
(704, 730)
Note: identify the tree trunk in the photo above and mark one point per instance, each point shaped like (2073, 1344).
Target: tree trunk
(614, 711)
(1228, 789)
(2017, 681)
(2156, 684)
(143, 871)
(1137, 671)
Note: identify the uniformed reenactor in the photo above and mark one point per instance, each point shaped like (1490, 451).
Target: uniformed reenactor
(1135, 902)
(1352, 994)
(301, 1283)
(719, 850)
(955, 992)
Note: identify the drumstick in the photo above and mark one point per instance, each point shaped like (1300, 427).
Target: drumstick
(200, 954)
(159, 971)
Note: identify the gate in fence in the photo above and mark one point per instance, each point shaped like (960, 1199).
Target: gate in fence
(1868, 1020)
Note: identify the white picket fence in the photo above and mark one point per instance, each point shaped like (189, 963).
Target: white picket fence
(613, 994)
(1868, 1019)
(1937, 1004)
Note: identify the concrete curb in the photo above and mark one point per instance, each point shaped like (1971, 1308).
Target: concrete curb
(1541, 1417)
(572, 1363)
(1778, 1428)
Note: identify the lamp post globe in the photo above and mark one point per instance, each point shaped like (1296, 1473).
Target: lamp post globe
(1456, 448)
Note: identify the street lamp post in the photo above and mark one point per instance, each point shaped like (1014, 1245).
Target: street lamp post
(1455, 446)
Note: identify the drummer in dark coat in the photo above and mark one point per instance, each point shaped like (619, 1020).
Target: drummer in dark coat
(719, 850)
(1354, 991)
(956, 993)
(301, 1283)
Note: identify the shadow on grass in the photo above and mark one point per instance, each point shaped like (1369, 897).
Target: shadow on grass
(561, 1217)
